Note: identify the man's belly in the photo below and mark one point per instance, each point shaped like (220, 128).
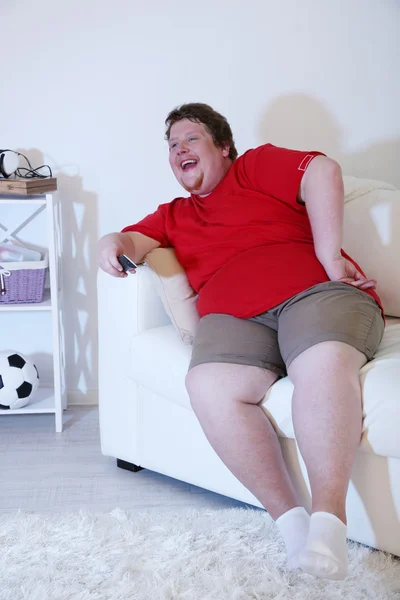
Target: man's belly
(260, 278)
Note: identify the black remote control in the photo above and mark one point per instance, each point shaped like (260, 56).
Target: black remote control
(126, 263)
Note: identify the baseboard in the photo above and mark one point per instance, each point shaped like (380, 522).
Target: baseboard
(88, 398)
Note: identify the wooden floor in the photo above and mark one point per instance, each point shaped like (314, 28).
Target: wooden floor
(46, 472)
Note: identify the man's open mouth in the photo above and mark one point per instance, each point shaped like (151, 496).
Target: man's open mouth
(188, 164)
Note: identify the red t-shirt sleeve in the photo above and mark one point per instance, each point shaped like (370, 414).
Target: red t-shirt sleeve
(276, 171)
(154, 226)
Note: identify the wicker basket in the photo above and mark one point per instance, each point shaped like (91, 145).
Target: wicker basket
(22, 282)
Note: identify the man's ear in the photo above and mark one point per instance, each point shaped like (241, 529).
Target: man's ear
(225, 151)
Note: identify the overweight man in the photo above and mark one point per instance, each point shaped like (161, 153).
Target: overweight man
(260, 238)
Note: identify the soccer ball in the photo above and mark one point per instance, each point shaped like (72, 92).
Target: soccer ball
(19, 380)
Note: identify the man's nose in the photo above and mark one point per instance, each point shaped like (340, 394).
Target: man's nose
(182, 147)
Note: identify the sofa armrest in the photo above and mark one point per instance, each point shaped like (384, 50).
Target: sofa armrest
(129, 305)
(126, 307)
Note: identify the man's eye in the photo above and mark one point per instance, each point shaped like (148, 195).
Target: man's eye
(191, 139)
(172, 146)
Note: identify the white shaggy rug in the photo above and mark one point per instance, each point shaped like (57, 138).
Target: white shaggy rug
(233, 554)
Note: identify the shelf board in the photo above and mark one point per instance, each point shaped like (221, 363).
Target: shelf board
(40, 200)
(42, 402)
(44, 305)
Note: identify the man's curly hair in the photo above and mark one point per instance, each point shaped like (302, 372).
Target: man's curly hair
(216, 124)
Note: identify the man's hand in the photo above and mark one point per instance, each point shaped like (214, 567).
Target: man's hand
(108, 249)
(340, 269)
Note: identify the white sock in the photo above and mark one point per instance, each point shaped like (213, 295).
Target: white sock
(325, 554)
(294, 525)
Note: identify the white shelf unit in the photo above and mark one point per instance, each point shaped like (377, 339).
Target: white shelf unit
(47, 399)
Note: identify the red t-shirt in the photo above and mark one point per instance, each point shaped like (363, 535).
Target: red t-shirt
(248, 245)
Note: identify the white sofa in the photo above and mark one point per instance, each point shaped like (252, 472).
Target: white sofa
(146, 419)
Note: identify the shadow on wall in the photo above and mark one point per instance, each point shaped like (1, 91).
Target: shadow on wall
(79, 271)
(302, 122)
(79, 216)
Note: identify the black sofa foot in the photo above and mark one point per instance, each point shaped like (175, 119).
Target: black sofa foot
(123, 464)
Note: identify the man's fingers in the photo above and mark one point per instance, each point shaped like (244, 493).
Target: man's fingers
(358, 283)
(363, 284)
(349, 280)
(114, 262)
(111, 269)
(369, 285)
(111, 265)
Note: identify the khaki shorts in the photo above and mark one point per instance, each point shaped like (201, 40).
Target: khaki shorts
(272, 340)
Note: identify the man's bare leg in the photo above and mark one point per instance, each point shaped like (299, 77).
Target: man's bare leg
(224, 398)
(327, 417)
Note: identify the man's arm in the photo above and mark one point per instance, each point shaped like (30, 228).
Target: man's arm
(322, 191)
(135, 245)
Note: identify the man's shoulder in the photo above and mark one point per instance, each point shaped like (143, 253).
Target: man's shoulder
(256, 153)
(275, 155)
(181, 201)
(264, 148)
(176, 204)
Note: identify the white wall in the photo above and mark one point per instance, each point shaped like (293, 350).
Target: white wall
(86, 86)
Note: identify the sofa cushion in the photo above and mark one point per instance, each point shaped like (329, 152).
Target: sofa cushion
(178, 297)
(380, 379)
(371, 235)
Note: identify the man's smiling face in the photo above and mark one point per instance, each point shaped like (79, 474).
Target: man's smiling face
(198, 164)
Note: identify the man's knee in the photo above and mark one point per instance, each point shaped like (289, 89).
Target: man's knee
(219, 382)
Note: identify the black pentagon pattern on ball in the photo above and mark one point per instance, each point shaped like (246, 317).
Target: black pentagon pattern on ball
(24, 390)
(15, 360)
(2, 406)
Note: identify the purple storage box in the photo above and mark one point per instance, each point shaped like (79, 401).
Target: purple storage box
(22, 282)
